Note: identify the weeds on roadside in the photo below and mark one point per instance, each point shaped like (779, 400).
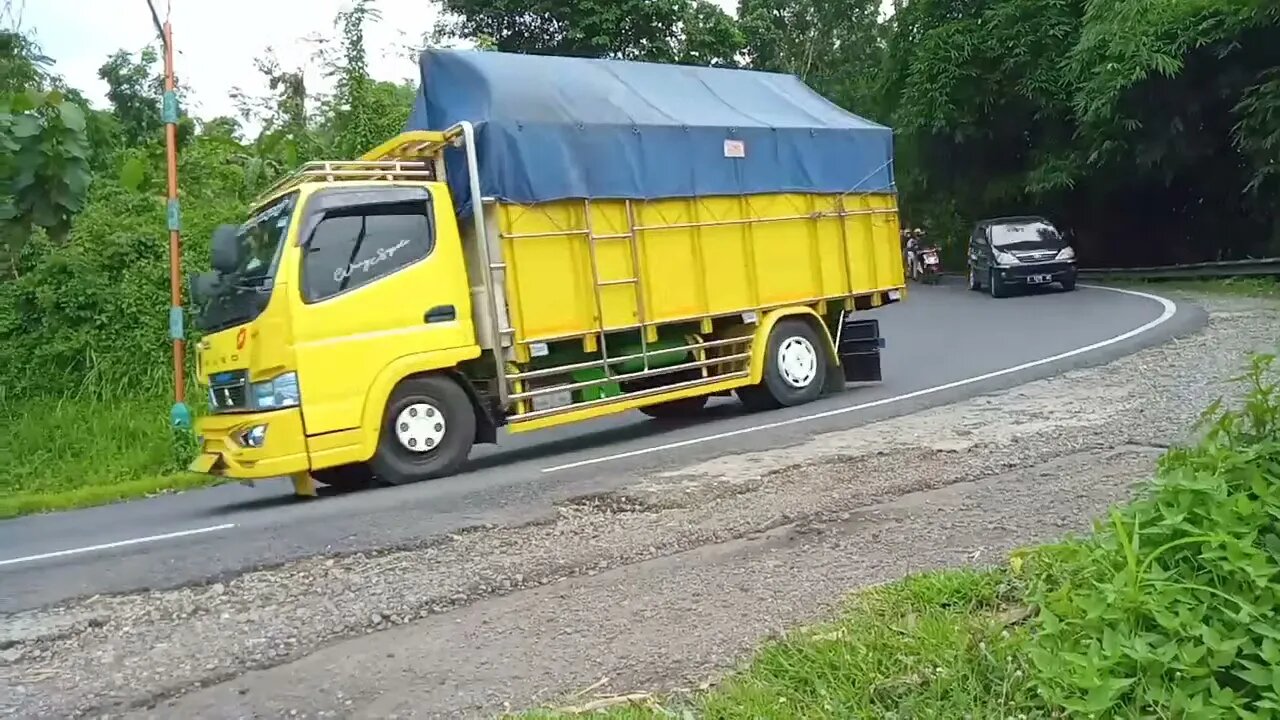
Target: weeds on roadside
(87, 449)
(1170, 608)
(933, 645)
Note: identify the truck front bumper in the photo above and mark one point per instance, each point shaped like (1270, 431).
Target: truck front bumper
(252, 446)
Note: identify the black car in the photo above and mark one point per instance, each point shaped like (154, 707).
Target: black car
(1019, 252)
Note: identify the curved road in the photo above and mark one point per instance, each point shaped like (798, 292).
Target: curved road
(944, 344)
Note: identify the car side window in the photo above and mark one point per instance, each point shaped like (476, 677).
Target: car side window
(352, 247)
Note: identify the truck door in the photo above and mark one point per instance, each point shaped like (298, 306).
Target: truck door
(381, 276)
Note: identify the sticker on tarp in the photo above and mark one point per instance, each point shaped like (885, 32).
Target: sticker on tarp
(735, 148)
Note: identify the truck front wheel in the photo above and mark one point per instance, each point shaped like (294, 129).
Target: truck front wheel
(427, 431)
(795, 368)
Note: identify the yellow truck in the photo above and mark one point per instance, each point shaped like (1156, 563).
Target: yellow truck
(551, 240)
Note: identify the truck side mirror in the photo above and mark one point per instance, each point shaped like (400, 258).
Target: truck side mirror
(225, 249)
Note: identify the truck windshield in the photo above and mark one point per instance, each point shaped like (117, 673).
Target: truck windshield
(243, 294)
(261, 241)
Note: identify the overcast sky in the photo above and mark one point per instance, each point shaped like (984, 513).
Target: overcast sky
(218, 40)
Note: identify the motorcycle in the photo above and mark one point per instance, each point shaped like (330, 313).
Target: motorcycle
(925, 264)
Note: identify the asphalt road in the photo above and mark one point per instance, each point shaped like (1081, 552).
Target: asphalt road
(944, 344)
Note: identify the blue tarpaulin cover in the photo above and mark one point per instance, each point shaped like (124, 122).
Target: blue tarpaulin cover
(551, 128)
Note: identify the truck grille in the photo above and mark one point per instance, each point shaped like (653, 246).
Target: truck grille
(229, 391)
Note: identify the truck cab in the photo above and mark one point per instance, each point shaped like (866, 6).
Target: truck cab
(328, 290)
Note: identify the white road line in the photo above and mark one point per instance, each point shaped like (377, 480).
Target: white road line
(121, 543)
(1169, 310)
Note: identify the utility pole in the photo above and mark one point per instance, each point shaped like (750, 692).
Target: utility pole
(180, 415)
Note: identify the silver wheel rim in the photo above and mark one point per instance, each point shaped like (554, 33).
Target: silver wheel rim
(797, 362)
(420, 427)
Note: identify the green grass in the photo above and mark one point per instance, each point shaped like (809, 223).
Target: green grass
(1243, 287)
(59, 454)
(939, 645)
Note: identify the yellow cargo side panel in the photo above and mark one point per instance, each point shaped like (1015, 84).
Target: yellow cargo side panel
(696, 257)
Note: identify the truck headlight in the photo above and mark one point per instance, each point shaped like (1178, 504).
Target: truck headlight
(277, 393)
(1067, 253)
(1004, 258)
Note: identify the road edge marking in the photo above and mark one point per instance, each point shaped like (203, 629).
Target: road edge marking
(1170, 308)
(117, 544)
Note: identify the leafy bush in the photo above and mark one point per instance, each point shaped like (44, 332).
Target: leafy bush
(1170, 608)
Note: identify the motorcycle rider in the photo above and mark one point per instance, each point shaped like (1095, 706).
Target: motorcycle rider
(913, 252)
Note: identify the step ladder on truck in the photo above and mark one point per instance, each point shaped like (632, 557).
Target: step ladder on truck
(514, 261)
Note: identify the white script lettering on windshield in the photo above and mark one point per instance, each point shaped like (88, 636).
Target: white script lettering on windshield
(365, 265)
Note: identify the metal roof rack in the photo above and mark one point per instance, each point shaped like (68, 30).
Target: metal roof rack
(356, 170)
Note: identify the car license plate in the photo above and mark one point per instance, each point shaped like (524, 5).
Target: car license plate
(1039, 279)
(930, 259)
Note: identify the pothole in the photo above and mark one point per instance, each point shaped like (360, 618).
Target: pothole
(608, 503)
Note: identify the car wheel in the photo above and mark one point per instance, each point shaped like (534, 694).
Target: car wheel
(427, 431)
(997, 288)
(1069, 284)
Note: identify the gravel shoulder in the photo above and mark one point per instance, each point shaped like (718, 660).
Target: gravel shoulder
(659, 586)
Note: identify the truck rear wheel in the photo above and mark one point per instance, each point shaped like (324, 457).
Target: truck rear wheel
(795, 368)
(427, 431)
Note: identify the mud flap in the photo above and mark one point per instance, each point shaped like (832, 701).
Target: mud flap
(858, 345)
(304, 485)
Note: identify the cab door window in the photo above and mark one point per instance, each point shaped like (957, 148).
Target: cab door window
(355, 246)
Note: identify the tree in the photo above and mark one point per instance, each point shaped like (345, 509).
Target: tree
(135, 90)
(836, 47)
(653, 30)
(44, 151)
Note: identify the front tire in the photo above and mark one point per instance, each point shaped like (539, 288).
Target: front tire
(427, 431)
(998, 289)
(1069, 284)
(795, 368)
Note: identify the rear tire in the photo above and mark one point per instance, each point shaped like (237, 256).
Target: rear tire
(795, 368)
(427, 431)
(676, 409)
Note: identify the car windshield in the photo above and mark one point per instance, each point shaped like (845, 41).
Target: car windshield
(1032, 233)
(261, 240)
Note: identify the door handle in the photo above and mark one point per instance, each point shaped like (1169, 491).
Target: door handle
(441, 313)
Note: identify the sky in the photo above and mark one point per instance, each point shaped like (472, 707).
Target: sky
(217, 40)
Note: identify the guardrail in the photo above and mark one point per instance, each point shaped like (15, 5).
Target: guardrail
(1263, 267)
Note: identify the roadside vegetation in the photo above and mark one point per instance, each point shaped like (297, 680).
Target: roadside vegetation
(1167, 609)
(1168, 153)
(1242, 287)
